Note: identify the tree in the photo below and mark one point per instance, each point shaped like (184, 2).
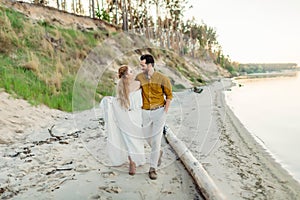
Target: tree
(64, 4)
(57, 4)
(124, 16)
(93, 8)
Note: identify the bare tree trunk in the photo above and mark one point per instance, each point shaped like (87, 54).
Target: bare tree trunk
(168, 36)
(80, 8)
(125, 16)
(93, 8)
(58, 4)
(138, 17)
(97, 1)
(90, 8)
(181, 43)
(130, 14)
(157, 21)
(117, 12)
(73, 6)
(64, 4)
(146, 19)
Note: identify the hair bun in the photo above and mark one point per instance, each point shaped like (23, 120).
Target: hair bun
(122, 71)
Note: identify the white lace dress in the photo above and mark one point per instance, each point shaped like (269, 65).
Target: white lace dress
(124, 131)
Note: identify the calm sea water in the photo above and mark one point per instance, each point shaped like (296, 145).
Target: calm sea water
(270, 109)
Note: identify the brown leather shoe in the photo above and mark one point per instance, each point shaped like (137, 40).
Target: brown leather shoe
(152, 174)
(159, 159)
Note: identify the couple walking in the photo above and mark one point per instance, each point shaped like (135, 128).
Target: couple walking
(136, 114)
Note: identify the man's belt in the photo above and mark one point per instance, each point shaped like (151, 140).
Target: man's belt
(155, 108)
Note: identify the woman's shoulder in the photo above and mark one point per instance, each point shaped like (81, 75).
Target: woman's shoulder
(135, 85)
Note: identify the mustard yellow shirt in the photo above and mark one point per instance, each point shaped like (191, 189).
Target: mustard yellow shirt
(155, 90)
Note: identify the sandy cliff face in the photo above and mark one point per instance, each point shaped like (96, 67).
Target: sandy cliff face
(206, 69)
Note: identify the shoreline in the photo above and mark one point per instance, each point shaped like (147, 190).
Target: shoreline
(263, 136)
(262, 154)
(238, 164)
(268, 151)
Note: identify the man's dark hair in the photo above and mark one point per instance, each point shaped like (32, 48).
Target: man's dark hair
(149, 59)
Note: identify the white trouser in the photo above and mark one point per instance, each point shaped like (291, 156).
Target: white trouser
(153, 124)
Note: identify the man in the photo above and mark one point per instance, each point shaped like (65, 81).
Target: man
(157, 95)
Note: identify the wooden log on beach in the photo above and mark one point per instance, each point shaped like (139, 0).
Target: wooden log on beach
(204, 182)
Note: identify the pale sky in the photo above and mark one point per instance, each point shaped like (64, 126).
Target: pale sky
(253, 30)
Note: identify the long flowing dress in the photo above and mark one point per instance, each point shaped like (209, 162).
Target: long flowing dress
(124, 131)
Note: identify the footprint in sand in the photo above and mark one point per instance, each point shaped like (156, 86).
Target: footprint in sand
(108, 174)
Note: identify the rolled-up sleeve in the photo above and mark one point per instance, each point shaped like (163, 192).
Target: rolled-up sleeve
(167, 88)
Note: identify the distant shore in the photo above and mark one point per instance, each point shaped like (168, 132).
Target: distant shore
(284, 73)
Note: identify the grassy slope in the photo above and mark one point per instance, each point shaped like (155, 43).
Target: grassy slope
(39, 61)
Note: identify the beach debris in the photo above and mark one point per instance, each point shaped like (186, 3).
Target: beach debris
(19, 131)
(111, 189)
(96, 196)
(15, 154)
(55, 138)
(60, 169)
(2, 190)
(82, 168)
(7, 192)
(197, 89)
(51, 134)
(167, 192)
(101, 121)
(22, 153)
(58, 184)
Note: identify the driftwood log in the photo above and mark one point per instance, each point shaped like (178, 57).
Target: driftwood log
(204, 182)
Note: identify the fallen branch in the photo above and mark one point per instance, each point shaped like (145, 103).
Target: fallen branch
(51, 134)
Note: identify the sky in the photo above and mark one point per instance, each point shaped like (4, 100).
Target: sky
(253, 31)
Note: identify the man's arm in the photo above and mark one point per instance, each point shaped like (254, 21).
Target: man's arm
(168, 92)
(167, 105)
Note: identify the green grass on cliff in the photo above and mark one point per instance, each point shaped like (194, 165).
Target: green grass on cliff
(38, 61)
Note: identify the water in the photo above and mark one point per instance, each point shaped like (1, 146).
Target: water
(270, 109)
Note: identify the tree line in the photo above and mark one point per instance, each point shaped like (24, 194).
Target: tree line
(161, 21)
(265, 67)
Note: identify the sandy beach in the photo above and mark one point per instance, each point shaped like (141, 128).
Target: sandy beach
(60, 155)
(70, 163)
(239, 166)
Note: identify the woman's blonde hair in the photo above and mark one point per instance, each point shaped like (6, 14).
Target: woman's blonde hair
(123, 87)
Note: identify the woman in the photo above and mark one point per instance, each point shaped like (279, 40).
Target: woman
(123, 122)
